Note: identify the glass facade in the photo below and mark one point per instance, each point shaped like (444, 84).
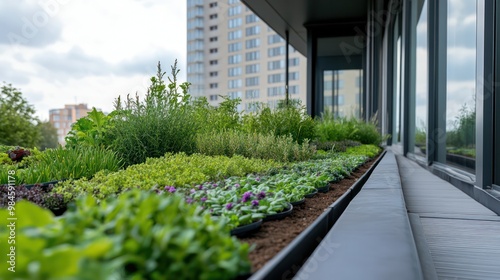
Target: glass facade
(341, 94)
(461, 84)
(421, 86)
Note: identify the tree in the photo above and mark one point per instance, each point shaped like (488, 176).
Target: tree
(18, 124)
(48, 135)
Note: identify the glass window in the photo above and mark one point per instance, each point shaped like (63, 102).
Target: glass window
(293, 89)
(252, 68)
(234, 22)
(232, 11)
(234, 71)
(213, 74)
(276, 64)
(233, 35)
(235, 83)
(213, 97)
(213, 16)
(276, 51)
(251, 18)
(234, 59)
(274, 38)
(234, 94)
(293, 61)
(252, 93)
(252, 81)
(249, 56)
(252, 43)
(213, 85)
(461, 85)
(276, 78)
(340, 92)
(252, 30)
(275, 91)
(234, 47)
(295, 76)
(421, 87)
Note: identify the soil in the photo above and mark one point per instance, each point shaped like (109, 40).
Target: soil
(273, 236)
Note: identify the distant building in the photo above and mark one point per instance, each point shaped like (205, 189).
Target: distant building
(231, 52)
(62, 119)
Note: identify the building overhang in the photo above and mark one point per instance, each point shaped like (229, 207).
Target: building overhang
(298, 15)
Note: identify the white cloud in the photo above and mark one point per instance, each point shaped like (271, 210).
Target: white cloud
(89, 51)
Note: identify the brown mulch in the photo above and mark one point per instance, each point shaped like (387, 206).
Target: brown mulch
(273, 236)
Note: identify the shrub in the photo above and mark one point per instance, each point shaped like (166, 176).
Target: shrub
(137, 236)
(163, 122)
(253, 145)
(329, 128)
(285, 120)
(210, 118)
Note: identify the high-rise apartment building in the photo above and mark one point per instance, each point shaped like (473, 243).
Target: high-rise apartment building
(63, 118)
(231, 52)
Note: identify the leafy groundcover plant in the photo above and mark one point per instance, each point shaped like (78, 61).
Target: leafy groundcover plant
(140, 235)
(176, 170)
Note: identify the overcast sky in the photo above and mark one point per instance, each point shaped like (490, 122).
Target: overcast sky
(88, 51)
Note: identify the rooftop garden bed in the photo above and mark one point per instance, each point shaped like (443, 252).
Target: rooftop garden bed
(158, 186)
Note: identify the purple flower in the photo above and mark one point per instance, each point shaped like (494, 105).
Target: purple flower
(192, 190)
(214, 185)
(171, 189)
(203, 199)
(229, 206)
(237, 185)
(189, 200)
(246, 197)
(257, 179)
(200, 187)
(261, 195)
(255, 202)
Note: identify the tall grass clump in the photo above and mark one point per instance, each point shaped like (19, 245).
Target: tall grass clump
(253, 145)
(163, 122)
(74, 163)
(329, 128)
(288, 119)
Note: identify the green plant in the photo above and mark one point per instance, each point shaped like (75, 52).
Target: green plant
(219, 118)
(329, 128)
(58, 164)
(140, 235)
(92, 130)
(253, 145)
(163, 122)
(286, 120)
(463, 132)
(366, 150)
(335, 146)
(18, 125)
(176, 170)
